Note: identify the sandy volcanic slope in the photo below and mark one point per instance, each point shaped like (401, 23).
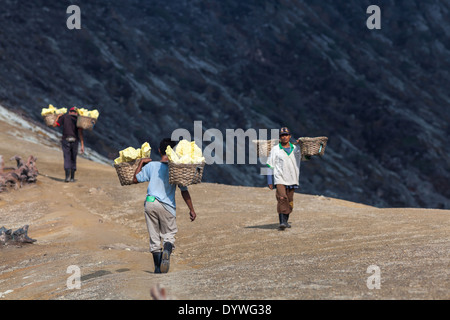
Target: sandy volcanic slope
(232, 251)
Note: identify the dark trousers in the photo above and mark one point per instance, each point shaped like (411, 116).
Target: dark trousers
(285, 199)
(70, 151)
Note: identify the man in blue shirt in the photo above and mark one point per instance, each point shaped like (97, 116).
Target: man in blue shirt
(160, 207)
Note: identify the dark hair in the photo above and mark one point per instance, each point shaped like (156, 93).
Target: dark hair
(164, 143)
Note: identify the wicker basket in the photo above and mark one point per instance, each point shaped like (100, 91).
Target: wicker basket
(263, 147)
(125, 171)
(86, 123)
(185, 174)
(313, 146)
(50, 119)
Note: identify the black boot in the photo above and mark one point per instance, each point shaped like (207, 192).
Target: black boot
(283, 224)
(286, 218)
(165, 258)
(157, 261)
(72, 175)
(67, 175)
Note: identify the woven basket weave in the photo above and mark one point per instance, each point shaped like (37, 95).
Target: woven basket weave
(263, 147)
(185, 174)
(125, 171)
(86, 123)
(50, 119)
(313, 146)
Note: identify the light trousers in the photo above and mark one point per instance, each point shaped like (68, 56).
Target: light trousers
(161, 225)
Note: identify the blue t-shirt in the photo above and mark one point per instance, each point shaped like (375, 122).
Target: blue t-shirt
(157, 174)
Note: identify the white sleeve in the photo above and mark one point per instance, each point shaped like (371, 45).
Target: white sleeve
(271, 160)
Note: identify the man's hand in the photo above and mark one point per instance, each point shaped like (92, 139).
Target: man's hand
(142, 163)
(192, 215)
(82, 149)
(187, 198)
(270, 186)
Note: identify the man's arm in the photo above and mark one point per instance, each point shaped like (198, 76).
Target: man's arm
(270, 164)
(80, 134)
(270, 178)
(142, 163)
(56, 123)
(187, 199)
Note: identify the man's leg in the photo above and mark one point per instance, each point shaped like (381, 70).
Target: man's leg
(168, 229)
(73, 159)
(151, 218)
(290, 195)
(283, 206)
(67, 155)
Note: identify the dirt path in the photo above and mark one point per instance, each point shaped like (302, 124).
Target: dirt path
(232, 251)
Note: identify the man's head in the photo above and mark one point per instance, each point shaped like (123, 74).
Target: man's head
(164, 144)
(73, 110)
(285, 135)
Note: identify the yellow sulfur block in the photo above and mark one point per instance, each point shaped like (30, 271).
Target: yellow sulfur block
(186, 153)
(145, 150)
(88, 113)
(172, 155)
(94, 114)
(130, 153)
(52, 110)
(183, 147)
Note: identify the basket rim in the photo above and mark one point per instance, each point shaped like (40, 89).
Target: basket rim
(128, 163)
(313, 138)
(186, 164)
(86, 117)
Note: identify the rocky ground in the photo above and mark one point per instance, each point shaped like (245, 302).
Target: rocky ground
(151, 67)
(232, 251)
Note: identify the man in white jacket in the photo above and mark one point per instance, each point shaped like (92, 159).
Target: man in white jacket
(284, 160)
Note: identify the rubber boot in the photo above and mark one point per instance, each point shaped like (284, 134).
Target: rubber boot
(72, 175)
(165, 258)
(283, 224)
(286, 218)
(157, 261)
(67, 175)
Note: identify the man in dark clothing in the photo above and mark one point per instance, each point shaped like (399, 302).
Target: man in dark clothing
(71, 138)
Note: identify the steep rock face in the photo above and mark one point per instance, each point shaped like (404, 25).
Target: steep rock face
(149, 68)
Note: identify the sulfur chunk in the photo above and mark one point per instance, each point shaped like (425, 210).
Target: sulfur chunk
(145, 150)
(129, 154)
(52, 110)
(172, 155)
(94, 114)
(183, 147)
(186, 153)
